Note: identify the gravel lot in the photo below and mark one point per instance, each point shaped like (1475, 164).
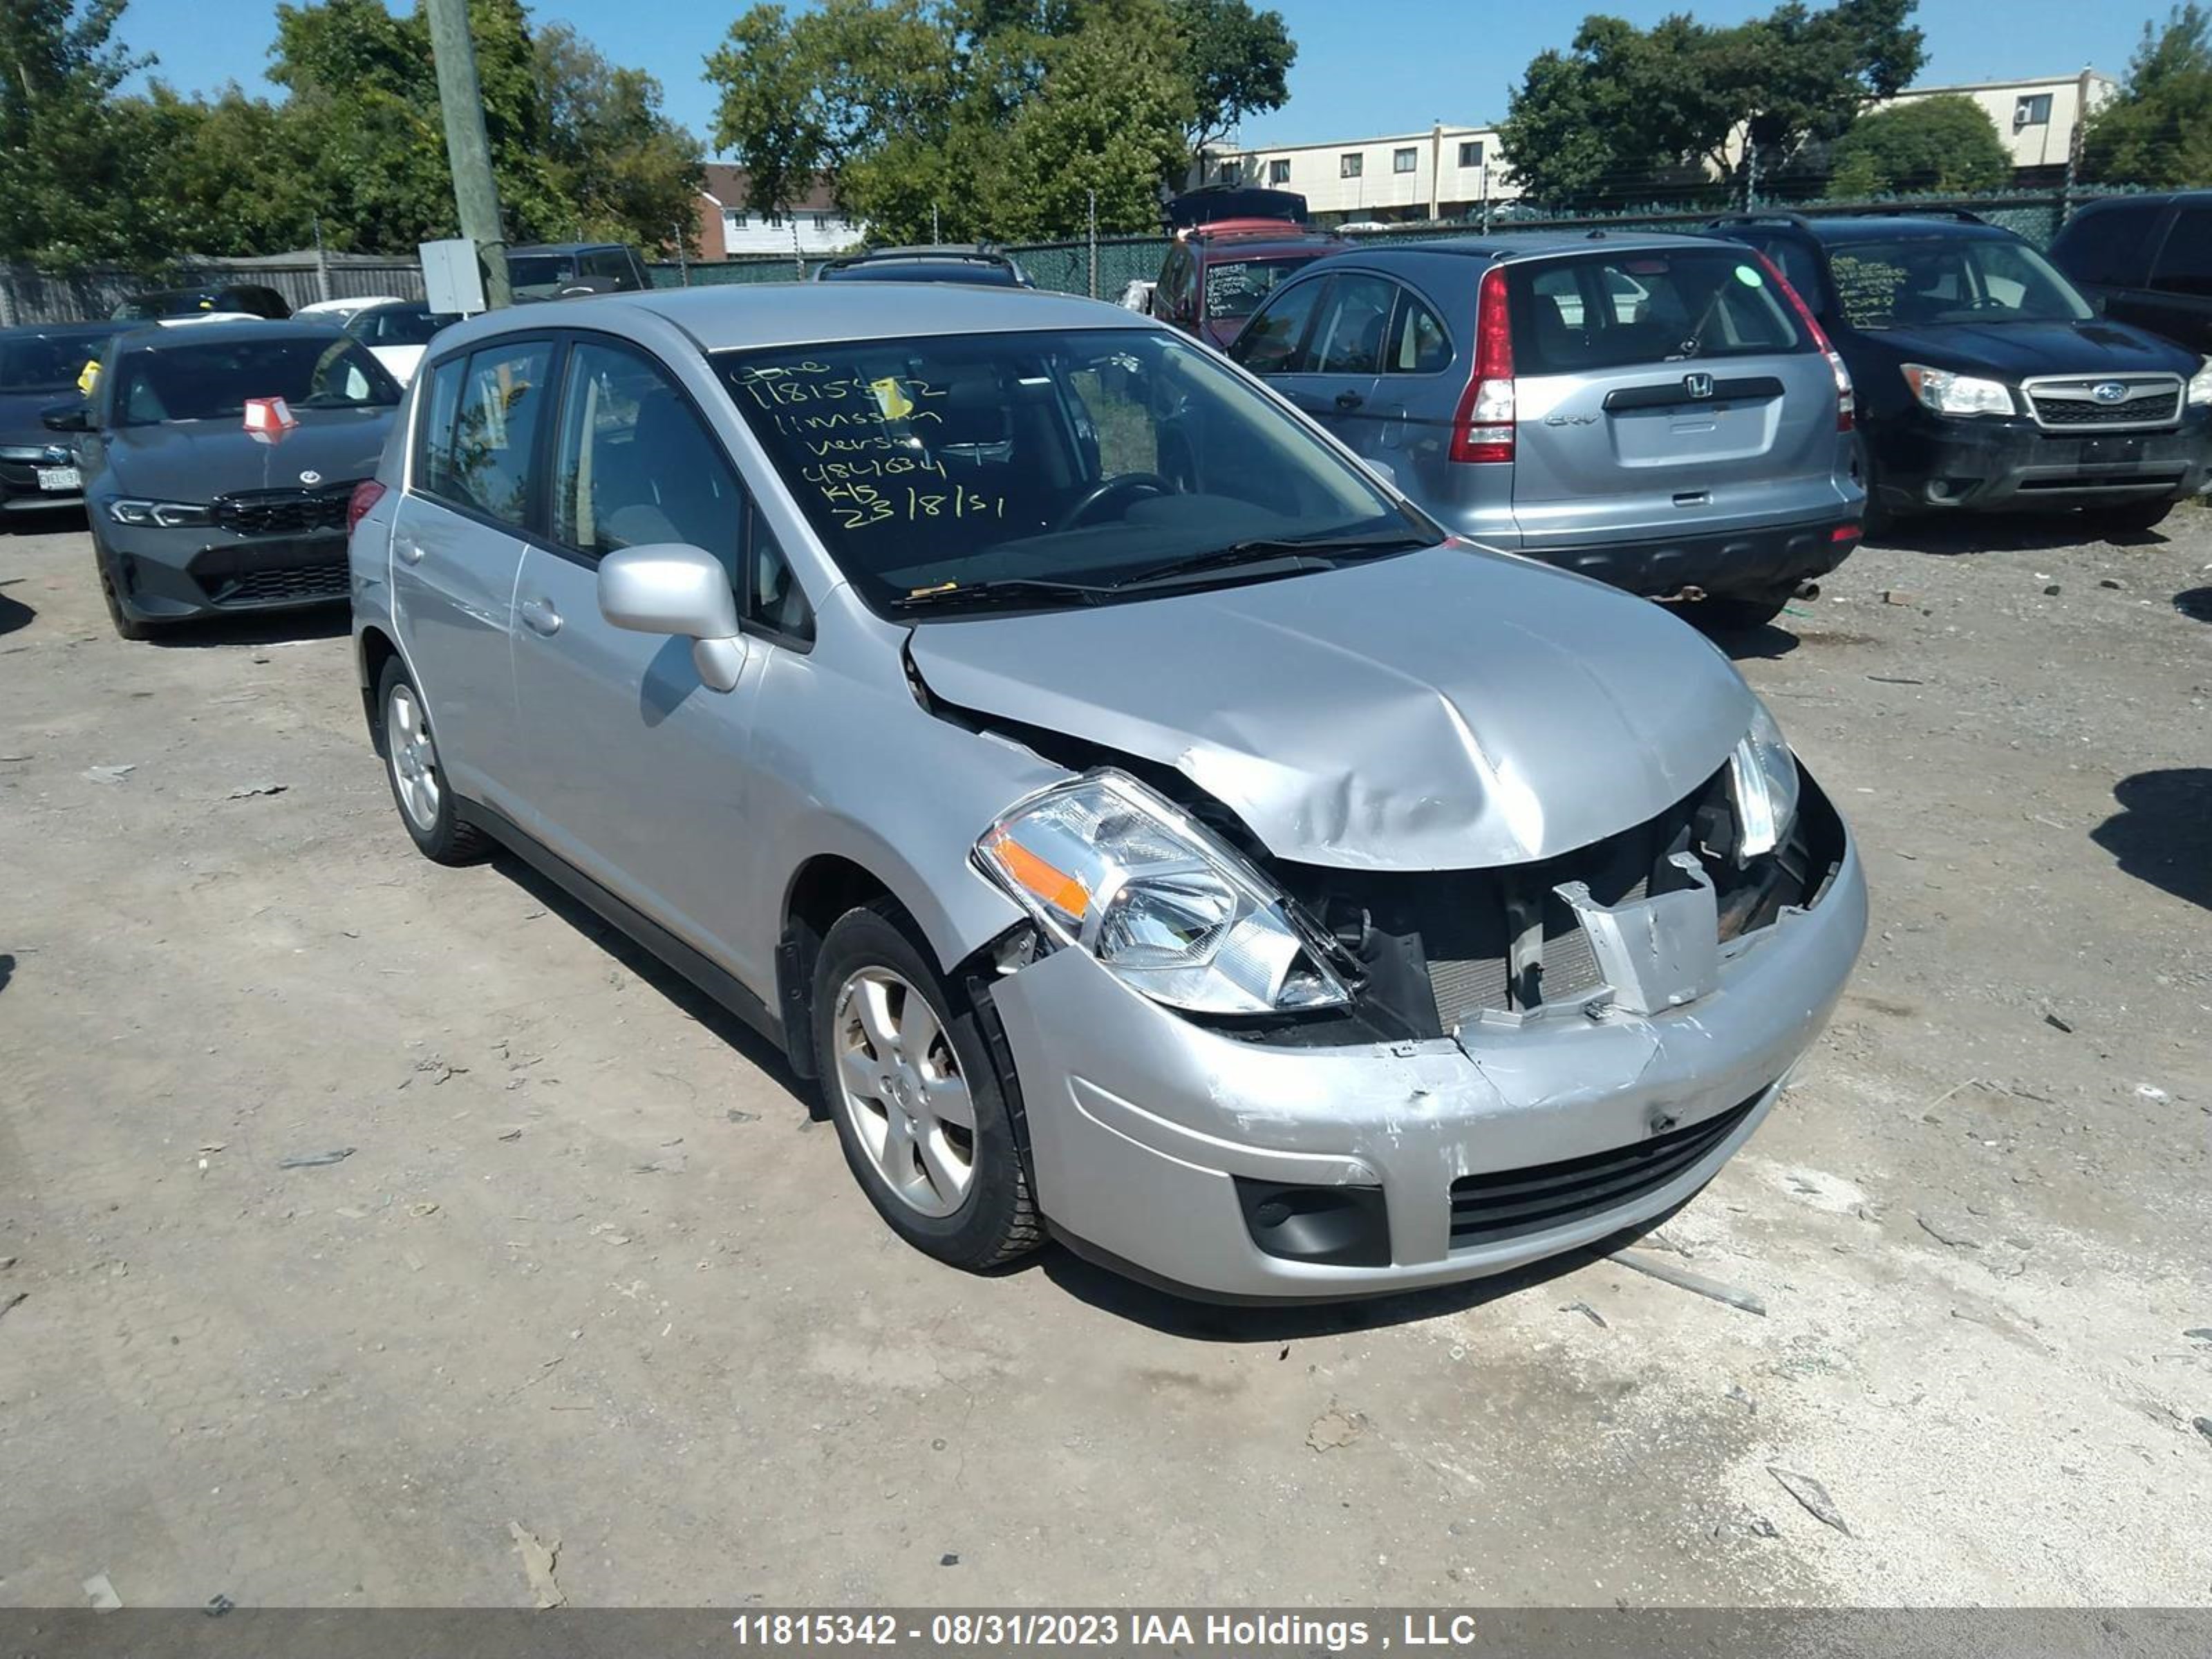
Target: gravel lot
(591, 1271)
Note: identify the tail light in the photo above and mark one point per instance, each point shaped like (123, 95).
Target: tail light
(366, 495)
(1847, 401)
(1482, 428)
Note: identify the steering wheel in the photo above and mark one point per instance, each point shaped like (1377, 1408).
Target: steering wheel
(1126, 484)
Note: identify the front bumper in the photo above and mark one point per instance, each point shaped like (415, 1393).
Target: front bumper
(1141, 1123)
(1929, 463)
(168, 575)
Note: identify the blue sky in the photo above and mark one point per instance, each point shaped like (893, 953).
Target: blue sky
(1364, 66)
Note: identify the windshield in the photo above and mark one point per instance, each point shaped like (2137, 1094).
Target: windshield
(207, 382)
(1912, 281)
(46, 362)
(539, 270)
(1645, 305)
(1234, 288)
(932, 467)
(986, 272)
(402, 325)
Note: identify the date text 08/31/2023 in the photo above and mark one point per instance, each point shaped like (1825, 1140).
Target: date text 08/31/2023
(1084, 1630)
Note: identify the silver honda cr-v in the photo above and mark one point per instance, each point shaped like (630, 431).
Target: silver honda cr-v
(1228, 873)
(1658, 412)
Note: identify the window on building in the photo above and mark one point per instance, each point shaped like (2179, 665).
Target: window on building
(736, 220)
(1350, 165)
(774, 221)
(821, 221)
(2034, 111)
(1279, 172)
(1470, 153)
(1232, 172)
(1405, 159)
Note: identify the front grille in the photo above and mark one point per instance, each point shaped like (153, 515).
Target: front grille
(2072, 402)
(283, 512)
(1506, 1204)
(296, 572)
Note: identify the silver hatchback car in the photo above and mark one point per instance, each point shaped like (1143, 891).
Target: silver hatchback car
(1228, 873)
(1658, 412)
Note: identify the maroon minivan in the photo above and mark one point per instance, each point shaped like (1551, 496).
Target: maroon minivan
(1216, 275)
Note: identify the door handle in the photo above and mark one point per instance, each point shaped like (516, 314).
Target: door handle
(540, 618)
(1349, 400)
(410, 552)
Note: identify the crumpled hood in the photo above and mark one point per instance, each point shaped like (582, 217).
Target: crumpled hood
(1447, 709)
(2019, 349)
(199, 460)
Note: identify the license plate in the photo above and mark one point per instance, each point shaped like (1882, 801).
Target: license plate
(59, 478)
(2113, 449)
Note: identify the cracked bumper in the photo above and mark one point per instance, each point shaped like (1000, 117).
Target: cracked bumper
(1139, 1121)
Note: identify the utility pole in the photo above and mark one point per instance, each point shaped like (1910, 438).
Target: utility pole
(1094, 242)
(476, 195)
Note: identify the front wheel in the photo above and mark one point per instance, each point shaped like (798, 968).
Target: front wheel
(2134, 517)
(419, 787)
(919, 1111)
(126, 626)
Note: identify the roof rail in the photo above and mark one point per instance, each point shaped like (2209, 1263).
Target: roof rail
(1773, 218)
(1908, 211)
(1879, 211)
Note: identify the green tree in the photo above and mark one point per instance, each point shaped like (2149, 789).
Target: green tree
(223, 176)
(1627, 114)
(68, 177)
(2158, 130)
(1931, 144)
(629, 173)
(987, 117)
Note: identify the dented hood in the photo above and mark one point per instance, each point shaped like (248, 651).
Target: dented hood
(1447, 709)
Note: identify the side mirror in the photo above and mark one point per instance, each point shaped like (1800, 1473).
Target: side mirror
(671, 587)
(68, 417)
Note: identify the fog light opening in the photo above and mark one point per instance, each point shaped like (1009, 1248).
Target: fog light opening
(1341, 1226)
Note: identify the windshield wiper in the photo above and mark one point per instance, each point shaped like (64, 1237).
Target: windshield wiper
(1003, 590)
(1321, 550)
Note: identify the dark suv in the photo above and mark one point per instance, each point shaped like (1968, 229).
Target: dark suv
(2146, 259)
(567, 270)
(251, 299)
(943, 262)
(1984, 380)
(1216, 275)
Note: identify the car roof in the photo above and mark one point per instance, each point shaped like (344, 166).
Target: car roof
(70, 331)
(1881, 228)
(565, 247)
(145, 335)
(928, 251)
(726, 318)
(1522, 244)
(2155, 198)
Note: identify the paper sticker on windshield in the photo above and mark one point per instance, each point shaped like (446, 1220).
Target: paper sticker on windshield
(1749, 277)
(894, 404)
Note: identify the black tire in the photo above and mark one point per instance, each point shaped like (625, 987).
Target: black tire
(2134, 517)
(1875, 517)
(996, 1219)
(1736, 612)
(126, 626)
(440, 834)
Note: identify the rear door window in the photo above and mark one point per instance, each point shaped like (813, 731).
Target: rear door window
(1271, 341)
(2184, 264)
(1347, 337)
(1644, 306)
(1418, 343)
(482, 428)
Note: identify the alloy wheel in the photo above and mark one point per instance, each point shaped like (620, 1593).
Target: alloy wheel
(900, 1086)
(414, 758)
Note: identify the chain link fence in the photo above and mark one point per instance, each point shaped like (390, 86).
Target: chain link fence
(32, 296)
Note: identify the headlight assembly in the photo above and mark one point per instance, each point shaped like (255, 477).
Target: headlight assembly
(1948, 393)
(2200, 383)
(1763, 783)
(1106, 866)
(168, 515)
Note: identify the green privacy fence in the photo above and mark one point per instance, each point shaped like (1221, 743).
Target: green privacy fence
(1066, 267)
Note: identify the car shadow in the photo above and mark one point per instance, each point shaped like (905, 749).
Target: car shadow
(7, 968)
(14, 613)
(688, 998)
(1765, 643)
(1954, 535)
(2194, 603)
(323, 622)
(2162, 834)
(42, 520)
(1194, 1321)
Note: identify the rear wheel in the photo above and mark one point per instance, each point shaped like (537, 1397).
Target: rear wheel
(2134, 516)
(916, 1097)
(419, 788)
(1736, 612)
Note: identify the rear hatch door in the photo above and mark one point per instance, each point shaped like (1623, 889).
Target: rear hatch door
(1666, 392)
